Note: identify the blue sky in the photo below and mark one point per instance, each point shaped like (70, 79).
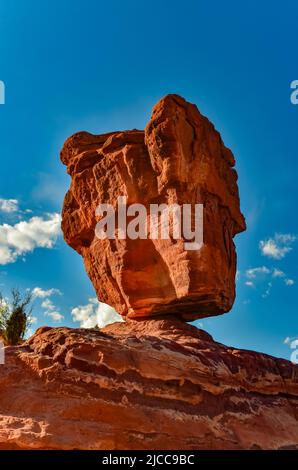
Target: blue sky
(101, 66)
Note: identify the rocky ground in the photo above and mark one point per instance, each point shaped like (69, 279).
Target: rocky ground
(153, 384)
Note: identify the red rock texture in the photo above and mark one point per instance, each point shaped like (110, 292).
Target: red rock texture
(154, 384)
(179, 158)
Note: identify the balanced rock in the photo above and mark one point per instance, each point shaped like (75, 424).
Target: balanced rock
(179, 159)
(150, 384)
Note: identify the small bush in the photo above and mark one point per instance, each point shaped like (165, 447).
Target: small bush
(15, 318)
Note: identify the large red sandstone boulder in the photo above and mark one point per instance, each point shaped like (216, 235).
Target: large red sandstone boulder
(152, 384)
(180, 158)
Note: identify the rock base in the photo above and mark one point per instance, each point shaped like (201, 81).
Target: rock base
(154, 384)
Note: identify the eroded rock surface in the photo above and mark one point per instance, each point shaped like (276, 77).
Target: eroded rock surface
(179, 158)
(153, 384)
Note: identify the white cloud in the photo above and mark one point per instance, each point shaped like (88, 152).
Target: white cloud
(38, 292)
(277, 273)
(6, 256)
(95, 313)
(50, 309)
(23, 237)
(278, 246)
(261, 274)
(47, 304)
(252, 273)
(55, 315)
(9, 205)
(285, 237)
(268, 290)
(289, 339)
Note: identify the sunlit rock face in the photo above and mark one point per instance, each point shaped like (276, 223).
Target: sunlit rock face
(179, 159)
(150, 384)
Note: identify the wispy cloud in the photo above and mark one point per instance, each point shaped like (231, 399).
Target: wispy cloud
(277, 273)
(252, 273)
(268, 290)
(95, 313)
(48, 306)
(38, 292)
(278, 246)
(9, 205)
(289, 339)
(54, 314)
(262, 274)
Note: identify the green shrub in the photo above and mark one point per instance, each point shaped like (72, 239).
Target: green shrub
(15, 318)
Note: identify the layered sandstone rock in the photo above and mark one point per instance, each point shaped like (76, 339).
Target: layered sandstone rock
(154, 384)
(179, 158)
